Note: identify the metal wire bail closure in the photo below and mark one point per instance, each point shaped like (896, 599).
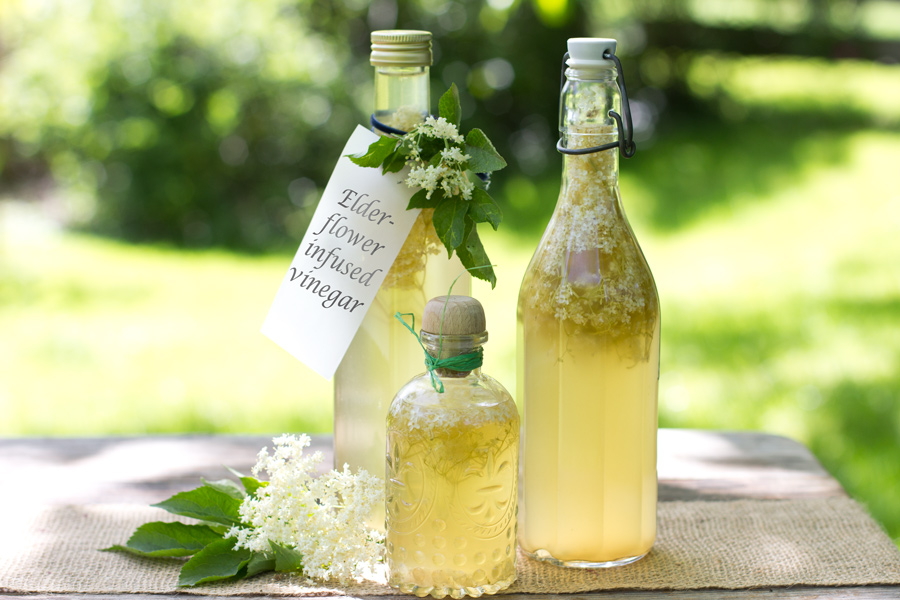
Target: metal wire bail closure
(625, 143)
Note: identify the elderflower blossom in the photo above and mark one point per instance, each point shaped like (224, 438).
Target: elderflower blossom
(426, 177)
(404, 118)
(432, 177)
(454, 155)
(449, 174)
(442, 129)
(322, 518)
(455, 183)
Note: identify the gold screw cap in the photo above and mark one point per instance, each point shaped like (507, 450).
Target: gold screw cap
(401, 48)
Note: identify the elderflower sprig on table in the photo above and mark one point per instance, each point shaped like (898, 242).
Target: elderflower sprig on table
(292, 522)
(445, 167)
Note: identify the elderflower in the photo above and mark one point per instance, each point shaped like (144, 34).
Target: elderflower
(404, 118)
(455, 183)
(454, 155)
(427, 178)
(322, 518)
(441, 128)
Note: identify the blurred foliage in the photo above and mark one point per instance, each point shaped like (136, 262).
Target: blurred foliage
(199, 123)
(217, 122)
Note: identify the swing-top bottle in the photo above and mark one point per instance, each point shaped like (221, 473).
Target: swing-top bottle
(588, 356)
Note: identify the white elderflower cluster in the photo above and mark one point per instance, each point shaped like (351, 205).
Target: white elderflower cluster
(449, 174)
(431, 177)
(453, 155)
(404, 118)
(322, 518)
(441, 128)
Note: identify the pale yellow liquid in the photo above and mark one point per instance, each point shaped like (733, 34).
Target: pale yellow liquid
(451, 498)
(589, 453)
(382, 357)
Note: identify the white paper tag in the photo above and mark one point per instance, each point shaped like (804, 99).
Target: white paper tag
(352, 240)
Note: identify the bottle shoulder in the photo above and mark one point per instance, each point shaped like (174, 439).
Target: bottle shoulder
(588, 269)
(473, 401)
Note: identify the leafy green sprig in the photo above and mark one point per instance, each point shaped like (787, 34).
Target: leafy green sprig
(216, 505)
(295, 521)
(445, 166)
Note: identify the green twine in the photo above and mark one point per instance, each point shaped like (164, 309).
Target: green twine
(460, 362)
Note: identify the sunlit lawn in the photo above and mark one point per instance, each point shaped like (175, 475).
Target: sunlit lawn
(781, 312)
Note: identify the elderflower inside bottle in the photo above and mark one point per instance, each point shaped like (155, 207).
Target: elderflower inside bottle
(452, 465)
(588, 349)
(380, 358)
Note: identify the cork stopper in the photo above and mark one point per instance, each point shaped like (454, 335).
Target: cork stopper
(464, 316)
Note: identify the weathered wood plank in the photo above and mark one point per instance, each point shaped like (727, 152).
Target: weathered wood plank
(693, 465)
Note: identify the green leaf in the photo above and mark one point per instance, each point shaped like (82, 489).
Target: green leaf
(375, 155)
(251, 484)
(217, 561)
(204, 503)
(429, 148)
(226, 486)
(394, 162)
(286, 559)
(484, 157)
(449, 107)
(419, 199)
(159, 539)
(471, 253)
(450, 222)
(260, 563)
(484, 209)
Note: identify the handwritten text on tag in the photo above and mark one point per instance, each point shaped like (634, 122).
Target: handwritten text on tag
(352, 240)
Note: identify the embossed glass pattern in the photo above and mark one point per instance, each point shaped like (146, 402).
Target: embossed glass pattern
(452, 472)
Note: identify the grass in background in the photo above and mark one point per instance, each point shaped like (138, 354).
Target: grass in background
(780, 290)
(100, 337)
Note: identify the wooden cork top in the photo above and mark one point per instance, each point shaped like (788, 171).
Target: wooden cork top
(464, 316)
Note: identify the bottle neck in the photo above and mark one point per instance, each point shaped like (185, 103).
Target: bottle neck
(584, 121)
(446, 346)
(402, 95)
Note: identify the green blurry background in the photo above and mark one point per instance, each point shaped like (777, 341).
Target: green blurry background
(160, 161)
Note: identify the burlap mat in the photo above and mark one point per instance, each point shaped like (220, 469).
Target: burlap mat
(740, 544)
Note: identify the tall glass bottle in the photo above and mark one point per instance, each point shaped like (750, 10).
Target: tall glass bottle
(382, 357)
(588, 342)
(452, 467)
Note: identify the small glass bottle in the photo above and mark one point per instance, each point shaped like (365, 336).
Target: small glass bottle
(588, 344)
(452, 468)
(380, 358)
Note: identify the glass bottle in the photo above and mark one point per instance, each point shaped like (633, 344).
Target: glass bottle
(588, 349)
(380, 358)
(452, 468)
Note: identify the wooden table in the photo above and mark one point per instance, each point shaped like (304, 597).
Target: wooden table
(693, 465)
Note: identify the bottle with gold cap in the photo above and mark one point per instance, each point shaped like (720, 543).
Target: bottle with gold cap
(588, 344)
(380, 358)
(402, 61)
(452, 465)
